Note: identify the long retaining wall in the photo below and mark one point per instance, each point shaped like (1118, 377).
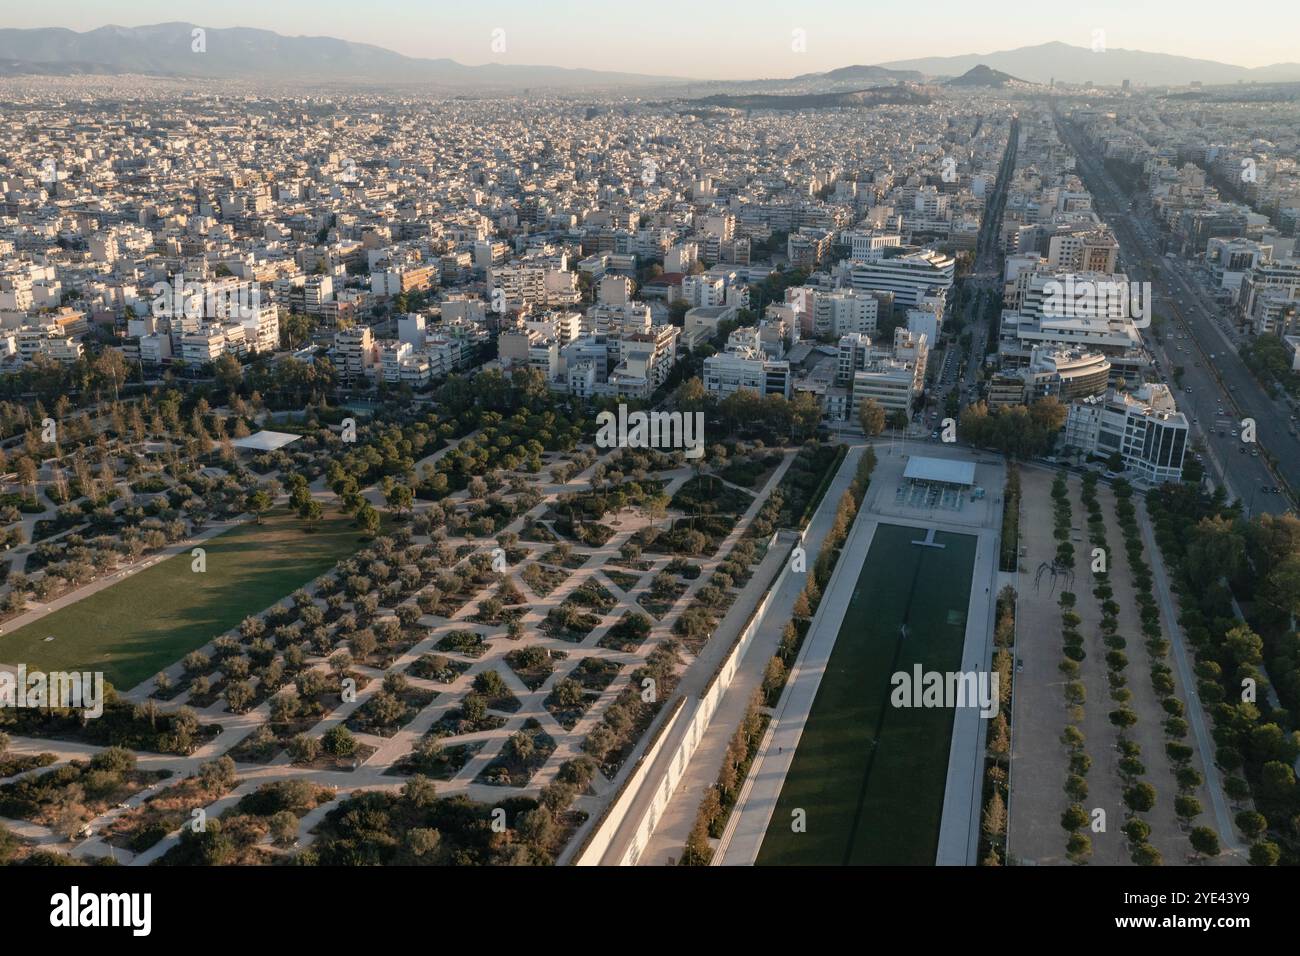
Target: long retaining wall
(598, 839)
(682, 733)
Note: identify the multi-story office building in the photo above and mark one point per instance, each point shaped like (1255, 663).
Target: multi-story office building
(1065, 374)
(893, 385)
(1143, 427)
(910, 276)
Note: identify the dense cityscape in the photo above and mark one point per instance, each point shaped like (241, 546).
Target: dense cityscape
(894, 465)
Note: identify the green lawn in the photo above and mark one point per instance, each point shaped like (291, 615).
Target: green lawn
(133, 629)
(881, 805)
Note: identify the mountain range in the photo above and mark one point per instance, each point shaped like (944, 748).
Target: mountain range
(1076, 64)
(165, 49)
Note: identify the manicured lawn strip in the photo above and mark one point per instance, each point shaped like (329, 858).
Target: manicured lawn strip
(881, 809)
(152, 618)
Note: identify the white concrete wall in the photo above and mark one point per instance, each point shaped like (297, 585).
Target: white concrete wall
(684, 735)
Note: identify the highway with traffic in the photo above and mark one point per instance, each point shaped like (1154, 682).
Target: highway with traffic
(1215, 389)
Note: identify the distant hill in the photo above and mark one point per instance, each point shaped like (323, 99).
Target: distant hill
(982, 75)
(862, 74)
(1076, 64)
(165, 49)
(875, 96)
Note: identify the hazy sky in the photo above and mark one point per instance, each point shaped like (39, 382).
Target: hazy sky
(751, 38)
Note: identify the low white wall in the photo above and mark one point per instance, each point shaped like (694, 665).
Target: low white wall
(684, 735)
(598, 843)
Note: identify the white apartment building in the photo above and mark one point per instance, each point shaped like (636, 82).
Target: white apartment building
(681, 257)
(49, 341)
(518, 286)
(924, 322)
(1268, 292)
(744, 365)
(846, 311)
(614, 290)
(704, 291)
(203, 346)
(317, 292)
(262, 328)
(646, 358)
(155, 348)
(1107, 295)
(1083, 251)
(1230, 260)
(869, 246)
(854, 354)
(564, 327)
(544, 355)
(729, 372)
(459, 306)
(236, 336)
(617, 319)
(391, 356)
(355, 351)
(894, 377)
(412, 329)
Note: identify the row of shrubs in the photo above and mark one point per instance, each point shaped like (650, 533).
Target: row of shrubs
(993, 828)
(1204, 840)
(1252, 747)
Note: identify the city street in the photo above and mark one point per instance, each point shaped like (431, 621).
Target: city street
(1217, 391)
